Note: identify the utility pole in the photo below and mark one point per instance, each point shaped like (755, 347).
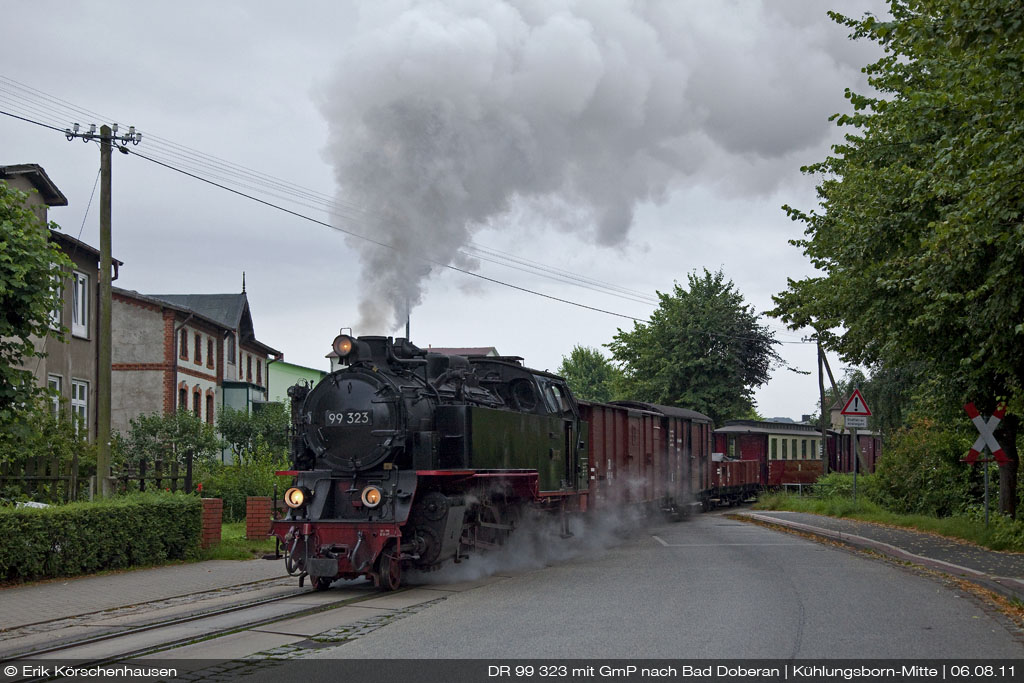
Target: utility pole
(107, 136)
(824, 411)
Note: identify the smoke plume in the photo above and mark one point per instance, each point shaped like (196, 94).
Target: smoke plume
(538, 542)
(447, 117)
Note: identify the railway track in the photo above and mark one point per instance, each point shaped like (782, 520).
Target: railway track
(156, 634)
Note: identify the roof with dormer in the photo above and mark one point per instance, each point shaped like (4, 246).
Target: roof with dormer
(230, 311)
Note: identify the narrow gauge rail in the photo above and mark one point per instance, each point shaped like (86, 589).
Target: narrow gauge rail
(177, 621)
(5, 631)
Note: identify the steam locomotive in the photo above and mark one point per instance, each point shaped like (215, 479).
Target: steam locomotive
(406, 459)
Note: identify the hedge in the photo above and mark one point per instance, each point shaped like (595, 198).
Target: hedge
(80, 538)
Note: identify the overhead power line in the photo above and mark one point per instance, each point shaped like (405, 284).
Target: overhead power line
(222, 174)
(33, 103)
(373, 241)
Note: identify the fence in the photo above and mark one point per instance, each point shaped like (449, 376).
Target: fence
(161, 475)
(47, 480)
(44, 480)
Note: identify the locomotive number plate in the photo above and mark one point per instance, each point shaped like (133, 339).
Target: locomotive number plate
(345, 418)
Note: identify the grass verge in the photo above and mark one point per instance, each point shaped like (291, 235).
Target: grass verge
(235, 546)
(1001, 534)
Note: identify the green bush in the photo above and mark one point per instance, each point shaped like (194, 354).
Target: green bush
(170, 438)
(40, 439)
(920, 471)
(80, 538)
(838, 485)
(251, 434)
(253, 476)
(1005, 533)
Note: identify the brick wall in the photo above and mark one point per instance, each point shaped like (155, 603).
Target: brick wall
(213, 509)
(259, 511)
(169, 362)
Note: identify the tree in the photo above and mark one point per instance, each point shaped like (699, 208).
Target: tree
(920, 229)
(590, 375)
(46, 436)
(264, 429)
(31, 269)
(260, 443)
(702, 349)
(171, 438)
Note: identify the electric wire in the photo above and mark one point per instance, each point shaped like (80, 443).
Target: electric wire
(431, 261)
(225, 171)
(476, 251)
(377, 242)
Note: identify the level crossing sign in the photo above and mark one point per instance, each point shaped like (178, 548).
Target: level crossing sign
(987, 430)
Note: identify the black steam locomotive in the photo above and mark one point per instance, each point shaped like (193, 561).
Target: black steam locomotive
(406, 459)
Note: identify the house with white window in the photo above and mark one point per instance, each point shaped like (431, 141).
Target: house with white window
(70, 365)
(196, 352)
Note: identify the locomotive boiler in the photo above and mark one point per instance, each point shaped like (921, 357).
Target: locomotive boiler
(405, 459)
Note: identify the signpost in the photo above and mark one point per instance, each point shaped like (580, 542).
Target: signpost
(986, 429)
(856, 414)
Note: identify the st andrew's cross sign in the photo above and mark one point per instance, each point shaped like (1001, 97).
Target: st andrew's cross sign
(987, 430)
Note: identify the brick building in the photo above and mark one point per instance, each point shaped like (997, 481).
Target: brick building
(198, 352)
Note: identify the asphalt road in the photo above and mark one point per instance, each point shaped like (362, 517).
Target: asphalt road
(709, 587)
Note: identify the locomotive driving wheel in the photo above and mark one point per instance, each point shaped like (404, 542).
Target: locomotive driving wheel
(322, 583)
(389, 569)
(492, 526)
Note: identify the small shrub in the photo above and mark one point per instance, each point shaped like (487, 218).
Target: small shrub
(253, 476)
(1004, 533)
(840, 485)
(81, 538)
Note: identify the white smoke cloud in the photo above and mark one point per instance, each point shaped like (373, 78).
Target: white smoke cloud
(447, 117)
(538, 542)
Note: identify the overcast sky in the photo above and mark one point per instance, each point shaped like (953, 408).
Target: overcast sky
(628, 143)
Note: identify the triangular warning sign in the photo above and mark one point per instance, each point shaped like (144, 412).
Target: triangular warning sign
(856, 405)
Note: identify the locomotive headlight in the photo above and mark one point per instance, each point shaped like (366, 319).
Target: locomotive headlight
(372, 496)
(343, 345)
(297, 496)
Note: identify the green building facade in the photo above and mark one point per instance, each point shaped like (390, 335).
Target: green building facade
(281, 375)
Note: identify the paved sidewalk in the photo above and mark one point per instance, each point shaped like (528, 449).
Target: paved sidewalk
(998, 571)
(21, 605)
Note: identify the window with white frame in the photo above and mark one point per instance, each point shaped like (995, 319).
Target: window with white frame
(54, 383)
(80, 304)
(80, 404)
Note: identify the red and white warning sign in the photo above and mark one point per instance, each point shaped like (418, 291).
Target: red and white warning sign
(856, 405)
(987, 430)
